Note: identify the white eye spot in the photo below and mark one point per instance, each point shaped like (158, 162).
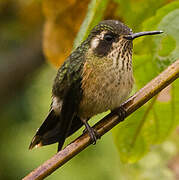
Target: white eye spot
(117, 22)
(95, 40)
(102, 34)
(94, 43)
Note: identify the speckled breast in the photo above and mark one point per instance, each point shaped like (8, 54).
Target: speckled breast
(105, 86)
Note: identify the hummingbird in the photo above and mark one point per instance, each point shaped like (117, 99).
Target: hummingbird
(96, 77)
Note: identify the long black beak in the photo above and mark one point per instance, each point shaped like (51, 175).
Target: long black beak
(136, 35)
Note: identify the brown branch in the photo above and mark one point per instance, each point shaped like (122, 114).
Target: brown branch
(103, 126)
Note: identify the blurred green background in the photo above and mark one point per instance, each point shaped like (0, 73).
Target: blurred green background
(25, 96)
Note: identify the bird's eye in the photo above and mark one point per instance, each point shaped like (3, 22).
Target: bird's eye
(108, 37)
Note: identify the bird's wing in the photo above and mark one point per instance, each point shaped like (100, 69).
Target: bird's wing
(76, 124)
(67, 88)
(69, 111)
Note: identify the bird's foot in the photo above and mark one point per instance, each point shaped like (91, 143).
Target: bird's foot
(121, 112)
(92, 133)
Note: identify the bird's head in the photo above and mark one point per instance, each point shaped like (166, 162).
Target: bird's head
(111, 37)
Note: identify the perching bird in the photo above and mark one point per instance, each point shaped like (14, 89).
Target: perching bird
(97, 76)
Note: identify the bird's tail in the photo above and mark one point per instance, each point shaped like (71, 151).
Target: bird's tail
(48, 133)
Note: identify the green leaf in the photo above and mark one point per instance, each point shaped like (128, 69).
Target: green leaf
(149, 125)
(165, 47)
(130, 145)
(95, 13)
(153, 122)
(166, 55)
(135, 12)
(144, 69)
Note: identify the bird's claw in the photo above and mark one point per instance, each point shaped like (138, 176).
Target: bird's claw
(92, 133)
(121, 112)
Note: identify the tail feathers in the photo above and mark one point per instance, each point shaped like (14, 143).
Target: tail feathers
(48, 133)
(36, 142)
(75, 125)
(54, 130)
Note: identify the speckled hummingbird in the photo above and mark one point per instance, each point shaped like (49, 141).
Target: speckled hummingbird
(96, 77)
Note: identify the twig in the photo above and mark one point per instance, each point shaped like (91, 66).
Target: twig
(103, 126)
